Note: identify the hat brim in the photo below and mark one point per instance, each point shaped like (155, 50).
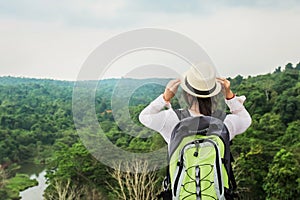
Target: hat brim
(213, 93)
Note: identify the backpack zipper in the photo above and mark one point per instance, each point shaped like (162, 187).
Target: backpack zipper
(197, 144)
(180, 163)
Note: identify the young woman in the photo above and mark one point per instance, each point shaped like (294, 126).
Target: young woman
(199, 90)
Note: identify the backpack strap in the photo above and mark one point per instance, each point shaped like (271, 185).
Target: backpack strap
(230, 193)
(231, 175)
(182, 113)
(166, 194)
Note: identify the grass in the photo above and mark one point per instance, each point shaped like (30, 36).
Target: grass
(19, 183)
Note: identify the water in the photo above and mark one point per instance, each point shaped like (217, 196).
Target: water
(37, 172)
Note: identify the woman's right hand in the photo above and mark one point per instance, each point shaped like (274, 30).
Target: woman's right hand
(171, 89)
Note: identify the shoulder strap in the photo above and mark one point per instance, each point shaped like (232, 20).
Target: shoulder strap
(219, 114)
(182, 113)
(231, 175)
(228, 163)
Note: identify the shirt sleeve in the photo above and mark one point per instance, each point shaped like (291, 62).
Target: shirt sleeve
(239, 120)
(159, 116)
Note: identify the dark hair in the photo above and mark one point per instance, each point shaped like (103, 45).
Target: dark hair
(205, 104)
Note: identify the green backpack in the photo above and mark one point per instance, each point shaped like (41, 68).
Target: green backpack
(199, 160)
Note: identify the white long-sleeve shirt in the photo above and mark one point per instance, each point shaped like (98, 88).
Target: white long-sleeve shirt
(162, 120)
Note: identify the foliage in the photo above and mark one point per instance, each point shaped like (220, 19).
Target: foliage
(282, 181)
(20, 182)
(77, 164)
(36, 123)
(10, 188)
(273, 101)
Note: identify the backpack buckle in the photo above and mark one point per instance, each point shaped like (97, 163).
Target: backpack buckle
(166, 183)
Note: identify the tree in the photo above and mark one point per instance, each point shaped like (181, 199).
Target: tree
(77, 166)
(287, 107)
(297, 66)
(3, 177)
(291, 136)
(135, 181)
(36, 121)
(278, 70)
(64, 191)
(271, 127)
(250, 169)
(289, 66)
(5, 193)
(282, 181)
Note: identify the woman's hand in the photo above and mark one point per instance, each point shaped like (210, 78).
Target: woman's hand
(171, 89)
(226, 88)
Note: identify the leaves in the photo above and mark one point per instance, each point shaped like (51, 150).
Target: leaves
(283, 177)
(36, 122)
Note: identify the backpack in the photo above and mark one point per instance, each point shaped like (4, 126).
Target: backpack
(199, 160)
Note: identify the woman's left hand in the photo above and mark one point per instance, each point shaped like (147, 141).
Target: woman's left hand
(226, 87)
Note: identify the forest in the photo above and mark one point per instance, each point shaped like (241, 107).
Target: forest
(37, 126)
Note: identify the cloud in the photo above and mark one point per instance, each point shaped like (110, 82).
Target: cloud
(69, 12)
(123, 13)
(246, 41)
(37, 49)
(53, 38)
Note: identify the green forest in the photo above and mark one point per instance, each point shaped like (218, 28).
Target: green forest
(37, 126)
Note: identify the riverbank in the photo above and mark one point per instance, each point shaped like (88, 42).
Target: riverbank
(28, 182)
(16, 184)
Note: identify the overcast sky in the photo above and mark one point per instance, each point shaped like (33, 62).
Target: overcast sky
(53, 38)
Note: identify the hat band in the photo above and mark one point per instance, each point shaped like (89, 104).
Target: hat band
(199, 92)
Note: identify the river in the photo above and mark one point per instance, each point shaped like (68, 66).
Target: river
(37, 172)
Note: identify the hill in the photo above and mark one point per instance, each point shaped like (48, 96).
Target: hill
(36, 124)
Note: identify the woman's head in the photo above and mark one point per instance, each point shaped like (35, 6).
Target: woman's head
(200, 88)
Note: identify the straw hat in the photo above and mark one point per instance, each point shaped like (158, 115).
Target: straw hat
(201, 83)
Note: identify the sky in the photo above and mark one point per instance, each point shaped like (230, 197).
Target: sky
(53, 38)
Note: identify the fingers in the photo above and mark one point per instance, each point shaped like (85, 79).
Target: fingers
(221, 80)
(225, 82)
(226, 87)
(173, 84)
(171, 89)
(175, 81)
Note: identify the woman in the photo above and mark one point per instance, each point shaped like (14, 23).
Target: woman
(199, 90)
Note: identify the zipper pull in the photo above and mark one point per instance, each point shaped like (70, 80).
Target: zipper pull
(197, 144)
